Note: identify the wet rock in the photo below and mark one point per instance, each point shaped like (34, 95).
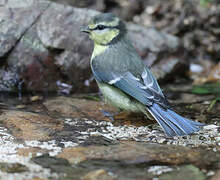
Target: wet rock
(97, 175)
(77, 108)
(47, 161)
(13, 168)
(138, 153)
(31, 151)
(158, 170)
(64, 145)
(73, 155)
(193, 173)
(29, 126)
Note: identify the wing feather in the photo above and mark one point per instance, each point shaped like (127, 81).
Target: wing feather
(146, 91)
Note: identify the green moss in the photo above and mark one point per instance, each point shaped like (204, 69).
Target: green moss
(210, 88)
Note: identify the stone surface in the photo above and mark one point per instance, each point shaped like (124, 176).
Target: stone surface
(8, 80)
(27, 126)
(97, 175)
(216, 176)
(13, 168)
(48, 52)
(68, 137)
(138, 153)
(91, 4)
(15, 19)
(192, 172)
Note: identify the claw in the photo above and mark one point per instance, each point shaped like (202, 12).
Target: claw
(109, 115)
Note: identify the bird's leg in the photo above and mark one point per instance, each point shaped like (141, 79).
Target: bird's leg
(109, 115)
(119, 115)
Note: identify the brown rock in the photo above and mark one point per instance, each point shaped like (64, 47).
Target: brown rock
(29, 126)
(99, 174)
(216, 176)
(77, 108)
(73, 155)
(37, 178)
(135, 153)
(26, 152)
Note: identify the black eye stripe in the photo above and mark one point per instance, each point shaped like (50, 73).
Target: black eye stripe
(101, 27)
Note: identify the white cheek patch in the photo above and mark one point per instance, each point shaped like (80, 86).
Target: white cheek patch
(101, 31)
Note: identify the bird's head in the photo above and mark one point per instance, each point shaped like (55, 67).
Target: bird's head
(105, 29)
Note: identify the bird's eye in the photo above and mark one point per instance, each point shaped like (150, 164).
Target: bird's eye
(100, 27)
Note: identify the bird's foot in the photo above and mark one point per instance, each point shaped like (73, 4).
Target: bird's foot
(109, 115)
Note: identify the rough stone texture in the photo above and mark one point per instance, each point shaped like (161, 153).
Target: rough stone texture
(15, 18)
(97, 175)
(8, 80)
(135, 153)
(43, 44)
(64, 31)
(77, 107)
(68, 138)
(27, 126)
(195, 22)
(33, 62)
(98, 5)
(192, 172)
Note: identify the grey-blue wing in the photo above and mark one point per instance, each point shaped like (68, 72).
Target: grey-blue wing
(145, 89)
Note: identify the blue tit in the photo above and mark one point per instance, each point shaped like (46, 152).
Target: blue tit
(125, 81)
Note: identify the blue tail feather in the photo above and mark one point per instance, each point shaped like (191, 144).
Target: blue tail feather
(172, 123)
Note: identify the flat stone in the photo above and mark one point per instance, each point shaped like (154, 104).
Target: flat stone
(13, 167)
(73, 155)
(31, 151)
(138, 153)
(77, 108)
(99, 174)
(29, 126)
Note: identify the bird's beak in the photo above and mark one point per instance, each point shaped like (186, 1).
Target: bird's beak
(85, 29)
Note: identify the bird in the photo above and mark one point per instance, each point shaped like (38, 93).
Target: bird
(125, 82)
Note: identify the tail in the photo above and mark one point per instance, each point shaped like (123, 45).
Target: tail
(172, 123)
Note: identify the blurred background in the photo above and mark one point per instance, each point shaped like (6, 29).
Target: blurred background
(42, 50)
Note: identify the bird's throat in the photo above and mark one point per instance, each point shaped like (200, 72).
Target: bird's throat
(98, 50)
